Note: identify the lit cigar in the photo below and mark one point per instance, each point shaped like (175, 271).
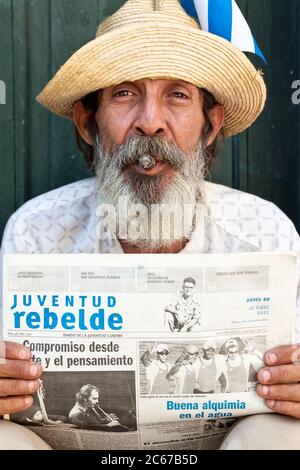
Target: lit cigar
(147, 162)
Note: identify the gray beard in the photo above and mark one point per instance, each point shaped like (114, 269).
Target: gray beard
(156, 210)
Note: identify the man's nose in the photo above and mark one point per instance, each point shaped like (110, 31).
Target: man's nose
(150, 120)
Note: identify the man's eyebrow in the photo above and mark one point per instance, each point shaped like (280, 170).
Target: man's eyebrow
(181, 83)
(124, 84)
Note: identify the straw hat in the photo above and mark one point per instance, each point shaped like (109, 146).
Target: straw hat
(139, 42)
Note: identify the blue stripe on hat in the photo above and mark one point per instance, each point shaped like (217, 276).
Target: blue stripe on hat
(258, 52)
(189, 7)
(220, 18)
(220, 21)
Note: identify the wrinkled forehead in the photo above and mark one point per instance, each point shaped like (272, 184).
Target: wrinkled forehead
(155, 83)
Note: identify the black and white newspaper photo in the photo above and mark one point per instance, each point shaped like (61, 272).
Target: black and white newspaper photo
(151, 352)
(85, 410)
(209, 367)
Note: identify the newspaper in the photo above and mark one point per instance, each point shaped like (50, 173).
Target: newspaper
(146, 352)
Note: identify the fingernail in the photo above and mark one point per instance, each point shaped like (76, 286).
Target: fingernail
(32, 386)
(28, 401)
(296, 356)
(265, 390)
(33, 370)
(270, 403)
(272, 357)
(23, 354)
(266, 375)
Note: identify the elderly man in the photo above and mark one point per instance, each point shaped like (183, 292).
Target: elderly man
(150, 97)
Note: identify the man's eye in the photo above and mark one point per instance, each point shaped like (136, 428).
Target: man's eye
(123, 93)
(179, 94)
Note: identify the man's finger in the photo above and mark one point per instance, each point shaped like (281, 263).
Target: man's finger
(283, 355)
(20, 370)
(285, 407)
(16, 351)
(10, 387)
(281, 392)
(279, 374)
(15, 404)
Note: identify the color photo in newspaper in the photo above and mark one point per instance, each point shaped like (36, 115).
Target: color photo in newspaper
(155, 351)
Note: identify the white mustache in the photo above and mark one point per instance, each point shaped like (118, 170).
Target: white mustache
(148, 151)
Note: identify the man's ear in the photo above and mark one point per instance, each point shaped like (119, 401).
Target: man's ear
(81, 117)
(216, 116)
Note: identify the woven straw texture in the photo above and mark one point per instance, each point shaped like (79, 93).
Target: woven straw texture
(138, 42)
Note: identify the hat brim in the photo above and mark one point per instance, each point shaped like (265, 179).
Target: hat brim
(155, 50)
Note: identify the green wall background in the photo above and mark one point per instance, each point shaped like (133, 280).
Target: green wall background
(38, 150)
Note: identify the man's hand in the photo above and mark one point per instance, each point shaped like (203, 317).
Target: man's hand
(279, 381)
(18, 378)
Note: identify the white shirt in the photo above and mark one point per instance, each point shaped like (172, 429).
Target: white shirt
(65, 221)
